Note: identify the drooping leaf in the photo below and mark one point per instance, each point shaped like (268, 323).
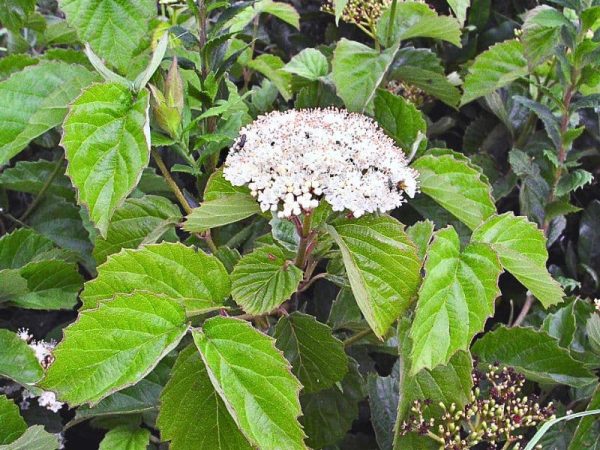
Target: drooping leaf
(561, 324)
(125, 437)
(107, 144)
(457, 186)
(221, 211)
(197, 280)
(18, 360)
(534, 353)
(114, 28)
(310, 63)
(399, 118)
(521, 247)
(23, 246)
(455, 300)
(264, 279)
(35, 437)
(382, 265)
(35, 100)
(114, 346)
(139, 219)
(550, 121)
(13, 424)
(317, 357)
(30, 177)
(251, 376)
(192, 414)
(495, 68)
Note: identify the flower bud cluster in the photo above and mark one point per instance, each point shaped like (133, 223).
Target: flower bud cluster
(291, 160)
(360, 12)
(496, 414)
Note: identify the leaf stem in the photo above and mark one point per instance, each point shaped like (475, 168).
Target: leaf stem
(391, 21)
(524, 311)
(357, 337)
(171, 182)
(304, 238)
(43, 190)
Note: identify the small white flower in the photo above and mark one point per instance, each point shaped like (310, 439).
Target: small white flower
(597, 304)
(291, 160)
(48, 401)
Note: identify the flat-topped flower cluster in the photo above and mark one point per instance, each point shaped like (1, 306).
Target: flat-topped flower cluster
(291, 160)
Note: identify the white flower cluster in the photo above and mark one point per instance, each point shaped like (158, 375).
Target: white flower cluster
(291, 160)
(43, 353)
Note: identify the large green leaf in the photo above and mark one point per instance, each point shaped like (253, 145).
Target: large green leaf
(264, 279)
(107, 144)
(125, 437)
(382, 265)
(23, 246)
(521, 247)
(254, 381)
(455, 300)
(456, 185)
(114, 28)
(318, 358)
(13, 424)
(138, 221)
(18, 360)
(31, 176)
(495, 68)
(534, 353)
(35, 100)
(114, 346)
(221, 211)
(34, 438)
(541, 31)
(192, 415)
(199, 281)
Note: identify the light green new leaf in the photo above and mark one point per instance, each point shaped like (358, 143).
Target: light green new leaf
(192, 415)
(264, 279)
(137, 221)
(197, 280)
(455, 300)
(125, 437)
(535, 354)
(114, 28)
(281, 10)
(254, 381)
(495, 68)
(339, 6)
(317, 357)
(18, 361)
(107, 144)
(35, 100)
(222, 211)
(310, 63)
(114, 346)
(421, 233)
(456, 185)
(382, 265)
(218, 187)
(272, 67)
(35, 437)
(521, 247)
(357, 72)
(13, 424)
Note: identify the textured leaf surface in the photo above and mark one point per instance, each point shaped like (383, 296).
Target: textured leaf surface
(310, 63)
(114, 346)
(114, 28)
(534, 353)
(35, 100)
(13, 424)
(126, 438)
(317, 357)
(35, 437)
(457, 186)
(18, 361)
(251, 376)
(399, 118)
(521, 247)
(264, 279)
(221, 211)
(199, 281)
(382, 265)
(495, 68)
(139, 219)
(30, 177)
(192, 415)
(23, 246)
(456, 298)
(107, 144)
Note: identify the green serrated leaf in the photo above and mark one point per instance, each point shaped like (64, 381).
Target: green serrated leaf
(192, 415)
(495, 68)
(541, 31)
(114, 346)
(35, 437)
(221, 211)
(107, 144)
(18, 361)
(572, 181)
(310, 63)
(317, 357)
(250, 376)
(125, 437)
(534, 353)
(455, 300)
(35, 100)
(272, 67)
(264, 279)
(521, 247)
(197, 280)
(456, 185)
(13, 424)
(400, 119)
(382, 265)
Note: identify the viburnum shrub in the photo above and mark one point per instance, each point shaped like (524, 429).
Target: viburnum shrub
(291, 225)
